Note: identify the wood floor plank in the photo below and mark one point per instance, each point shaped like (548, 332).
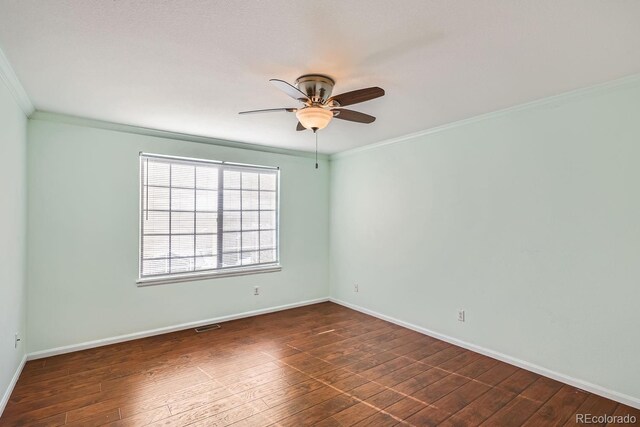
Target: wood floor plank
(405, 408)
(421, 381)
(379, 419)
(319, 412)
(406, 372)
(514, 413)
(143, 418)
(478, 367)
(624, 411)
(461, 397)
(289, 408)
(429, 416)
(497, 374)
(541, 389)
(559, 408)
(354, 414)
(384, 399)
(482, 408)
(519, 381)
(53, 421)
(232, 416)
(320, 365)
(99, 419)
(385, 368)
(291, 393)
(595, 406)
(441, 388)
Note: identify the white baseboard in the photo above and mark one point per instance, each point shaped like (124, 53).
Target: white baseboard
(584, 385)
(165, 330)
(12, 384)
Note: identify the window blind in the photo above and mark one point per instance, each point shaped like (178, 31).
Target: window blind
(199, 216)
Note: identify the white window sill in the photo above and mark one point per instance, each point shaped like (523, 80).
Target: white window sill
(176, 278)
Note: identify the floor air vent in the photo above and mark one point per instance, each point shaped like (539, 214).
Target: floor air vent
(206, 328)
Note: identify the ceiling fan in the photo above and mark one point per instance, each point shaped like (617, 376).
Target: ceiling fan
(314, 91)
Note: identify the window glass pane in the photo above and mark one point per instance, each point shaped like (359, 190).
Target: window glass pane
(250, 220)
(249, 181)
(206, 200)
(268, 219)
(206, 222)
(268, 181)
(182, 207)
(206, 263)
(182, 175)
(231, 200)
(250, 258)
(181, 246)
(158, 198)
(182, 222)
(207, 177)
(250, 199)
(268, 256)
(158, 173)
(231, 260)
(182, 200)
(231, 179)
(182, 265)
(231, 221)
(267, 239)
(267, 200)
(156, 223)
(250, 240)
(156, 246)
(207, 244)
(152, 267)
(231, 242)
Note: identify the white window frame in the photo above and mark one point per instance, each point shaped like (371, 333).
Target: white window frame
(145, 280)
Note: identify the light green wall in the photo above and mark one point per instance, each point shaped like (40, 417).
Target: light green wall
(529, 220)
(13, 194)
(83, 238)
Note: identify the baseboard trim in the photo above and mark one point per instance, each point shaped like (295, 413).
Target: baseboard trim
(584, 385)
(12, 384)
(159, 331)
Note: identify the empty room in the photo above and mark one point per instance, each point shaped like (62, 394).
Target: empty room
(331, 213)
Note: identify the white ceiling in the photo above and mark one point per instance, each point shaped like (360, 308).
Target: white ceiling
(190, 66)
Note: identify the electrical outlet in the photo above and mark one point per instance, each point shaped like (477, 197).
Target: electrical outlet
(355, 287)
(17, 340)
(460, 315)
(256, 290)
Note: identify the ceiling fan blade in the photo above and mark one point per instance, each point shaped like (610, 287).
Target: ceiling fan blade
(352, 116)
(269, 110)
(300, 127)
(290, 90)
(357, 96)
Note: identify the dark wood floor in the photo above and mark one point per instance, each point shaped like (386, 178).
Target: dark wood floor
(323, 364)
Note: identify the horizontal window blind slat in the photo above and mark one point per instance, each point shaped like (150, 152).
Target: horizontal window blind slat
(198, 215)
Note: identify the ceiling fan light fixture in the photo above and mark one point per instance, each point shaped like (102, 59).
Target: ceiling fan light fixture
(314, 117)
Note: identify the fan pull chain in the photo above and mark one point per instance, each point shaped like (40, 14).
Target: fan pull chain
(316, 132)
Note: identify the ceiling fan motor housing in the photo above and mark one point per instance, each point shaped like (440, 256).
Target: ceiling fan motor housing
(317, 87)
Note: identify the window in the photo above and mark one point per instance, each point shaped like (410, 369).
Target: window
(201, 218)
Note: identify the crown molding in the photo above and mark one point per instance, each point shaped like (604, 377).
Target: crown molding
(138, 130)
(555, 99)
(8, 76)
